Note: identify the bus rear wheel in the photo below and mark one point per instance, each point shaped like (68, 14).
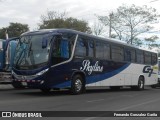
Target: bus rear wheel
(77, 85)
(140, 85)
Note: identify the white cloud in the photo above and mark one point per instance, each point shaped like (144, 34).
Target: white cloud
(29, 11)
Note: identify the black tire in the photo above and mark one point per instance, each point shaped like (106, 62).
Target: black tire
(45, 90)
(77, 85)
(17, 85)
(140, 85)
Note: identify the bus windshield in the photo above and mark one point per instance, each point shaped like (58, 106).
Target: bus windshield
(29, 52)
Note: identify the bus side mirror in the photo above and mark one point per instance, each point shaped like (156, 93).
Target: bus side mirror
(1, 45)
(44, 43)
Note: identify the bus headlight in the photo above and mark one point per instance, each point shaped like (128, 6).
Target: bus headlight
(42, 72)
(42, 82)
(13, 73)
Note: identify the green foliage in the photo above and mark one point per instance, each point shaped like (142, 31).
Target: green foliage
(151, 42)
(138, 42)
(2, 33)
(59, 20)
(14, 30)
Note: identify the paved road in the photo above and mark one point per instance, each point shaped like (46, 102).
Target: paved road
(93, 100)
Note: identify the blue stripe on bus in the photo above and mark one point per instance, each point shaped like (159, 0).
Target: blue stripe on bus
(63, 85)
(93, 79)
(96, 78)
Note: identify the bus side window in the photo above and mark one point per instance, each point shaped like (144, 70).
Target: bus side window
(99, 50)
(133, 56)
(64, 48)
(140, 57)
(81, 47)
(117, 53)
(147, 58)
(106, 51)
(154, 58)
(91, 48)
(68, 41)
(127, 55)
(130, 55)
(56, 48)
(60, 50)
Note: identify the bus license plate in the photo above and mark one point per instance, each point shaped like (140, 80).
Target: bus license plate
(24, 83)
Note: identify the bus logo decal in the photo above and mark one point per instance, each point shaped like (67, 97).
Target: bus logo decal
(86, 66)
(148, 69)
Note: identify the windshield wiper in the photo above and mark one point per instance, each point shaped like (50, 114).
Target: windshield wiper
(20, 56)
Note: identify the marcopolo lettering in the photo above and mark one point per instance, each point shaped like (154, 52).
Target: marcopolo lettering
(86, 66)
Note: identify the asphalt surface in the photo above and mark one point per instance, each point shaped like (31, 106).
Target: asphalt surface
(95, 99)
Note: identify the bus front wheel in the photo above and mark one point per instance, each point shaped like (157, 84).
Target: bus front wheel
(77, 85)
(17, 85)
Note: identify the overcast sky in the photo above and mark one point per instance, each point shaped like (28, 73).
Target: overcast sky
(29, 11)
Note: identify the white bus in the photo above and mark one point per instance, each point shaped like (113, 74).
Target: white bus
(158, 82)
(63, 58)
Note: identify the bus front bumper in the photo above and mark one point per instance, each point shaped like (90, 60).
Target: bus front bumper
(31, 83)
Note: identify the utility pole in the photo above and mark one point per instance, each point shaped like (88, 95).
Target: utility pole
(110, 24)
(6, 34)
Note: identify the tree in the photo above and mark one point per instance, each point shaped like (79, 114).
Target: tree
(112, 21)
(14, 30)
(97, 28)
(128, 22)
(51, 15)
(151, 42)
(3, 33)
(55, 19)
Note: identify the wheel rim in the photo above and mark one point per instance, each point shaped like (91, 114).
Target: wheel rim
(78, 85)
(141, 84)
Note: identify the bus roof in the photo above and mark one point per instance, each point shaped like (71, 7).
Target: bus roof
(59, 30)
